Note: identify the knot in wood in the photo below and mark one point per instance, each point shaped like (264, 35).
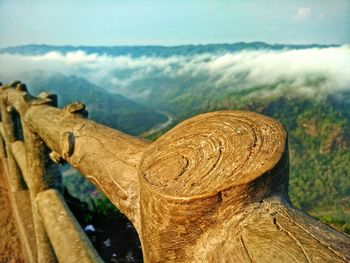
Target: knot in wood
(76, 108)
(43, 95)
(68, 144)
(213, 152)
(50, 98)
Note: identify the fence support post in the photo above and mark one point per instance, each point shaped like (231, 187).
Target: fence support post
(215, 188)
(15, 177)
(2, 147)
(44, 174)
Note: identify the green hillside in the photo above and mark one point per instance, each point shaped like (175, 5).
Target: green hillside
(107, 108)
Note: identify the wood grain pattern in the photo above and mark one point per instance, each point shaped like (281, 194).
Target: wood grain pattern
(67, 236)
(212, 189)
(108, 158)
(213, 152)
(215, 189)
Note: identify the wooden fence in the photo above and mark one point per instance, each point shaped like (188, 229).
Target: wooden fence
(213, 189)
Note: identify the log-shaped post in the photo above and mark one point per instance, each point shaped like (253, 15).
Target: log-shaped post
(14, 177)
(107, 157)
(214, 189)
(43, 175)
(2, 145)
(68, 238)
(19, 153)
(41, 172)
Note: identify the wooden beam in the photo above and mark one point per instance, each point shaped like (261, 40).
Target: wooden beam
(108, 158)
(3, 153)
(16, 182)
(68, 239)
(22, 211)
(41, 173)
(215, 188)
(19, 152)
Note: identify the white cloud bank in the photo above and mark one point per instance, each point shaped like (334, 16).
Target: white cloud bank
(301, 69)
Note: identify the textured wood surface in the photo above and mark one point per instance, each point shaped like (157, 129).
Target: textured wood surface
(10, 247)
(25, 226)
(22, 211)
(14, 175)
(108, 158)
(19, 153)
(38, 171)
(215, 189)
(67, 237)
(213, 152)
(212, 189)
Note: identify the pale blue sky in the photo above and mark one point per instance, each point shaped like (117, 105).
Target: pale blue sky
(116, 22)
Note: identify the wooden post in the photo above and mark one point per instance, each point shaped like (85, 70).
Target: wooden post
(2, 147)
(108, 158)
(15, 178)
(20, 156)
(68, 238)
(44, 174)
(214, 189)
(38, 165)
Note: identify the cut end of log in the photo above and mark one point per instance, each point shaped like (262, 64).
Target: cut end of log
(214, 152)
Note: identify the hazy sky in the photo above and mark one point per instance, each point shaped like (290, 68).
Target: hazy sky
(117, 22)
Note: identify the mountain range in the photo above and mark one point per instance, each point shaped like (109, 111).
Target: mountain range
(160, 51)
(107, 108)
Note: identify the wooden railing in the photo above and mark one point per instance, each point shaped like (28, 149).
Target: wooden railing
(213, 189)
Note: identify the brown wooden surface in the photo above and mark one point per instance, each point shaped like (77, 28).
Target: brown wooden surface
(22, 210)
(15, 99)
(213, 189)
(14, 174)
(108, 158)
(10, 248)
(19, 153)
(68, 238)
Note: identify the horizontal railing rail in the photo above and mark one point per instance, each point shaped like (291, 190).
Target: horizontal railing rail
(212, 189)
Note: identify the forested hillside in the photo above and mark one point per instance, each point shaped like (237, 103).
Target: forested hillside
(107, 108)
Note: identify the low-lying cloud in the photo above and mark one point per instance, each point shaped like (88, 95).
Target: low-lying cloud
(301, 69)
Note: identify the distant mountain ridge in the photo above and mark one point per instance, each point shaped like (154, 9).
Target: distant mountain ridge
(107, 108)
(154, 50)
